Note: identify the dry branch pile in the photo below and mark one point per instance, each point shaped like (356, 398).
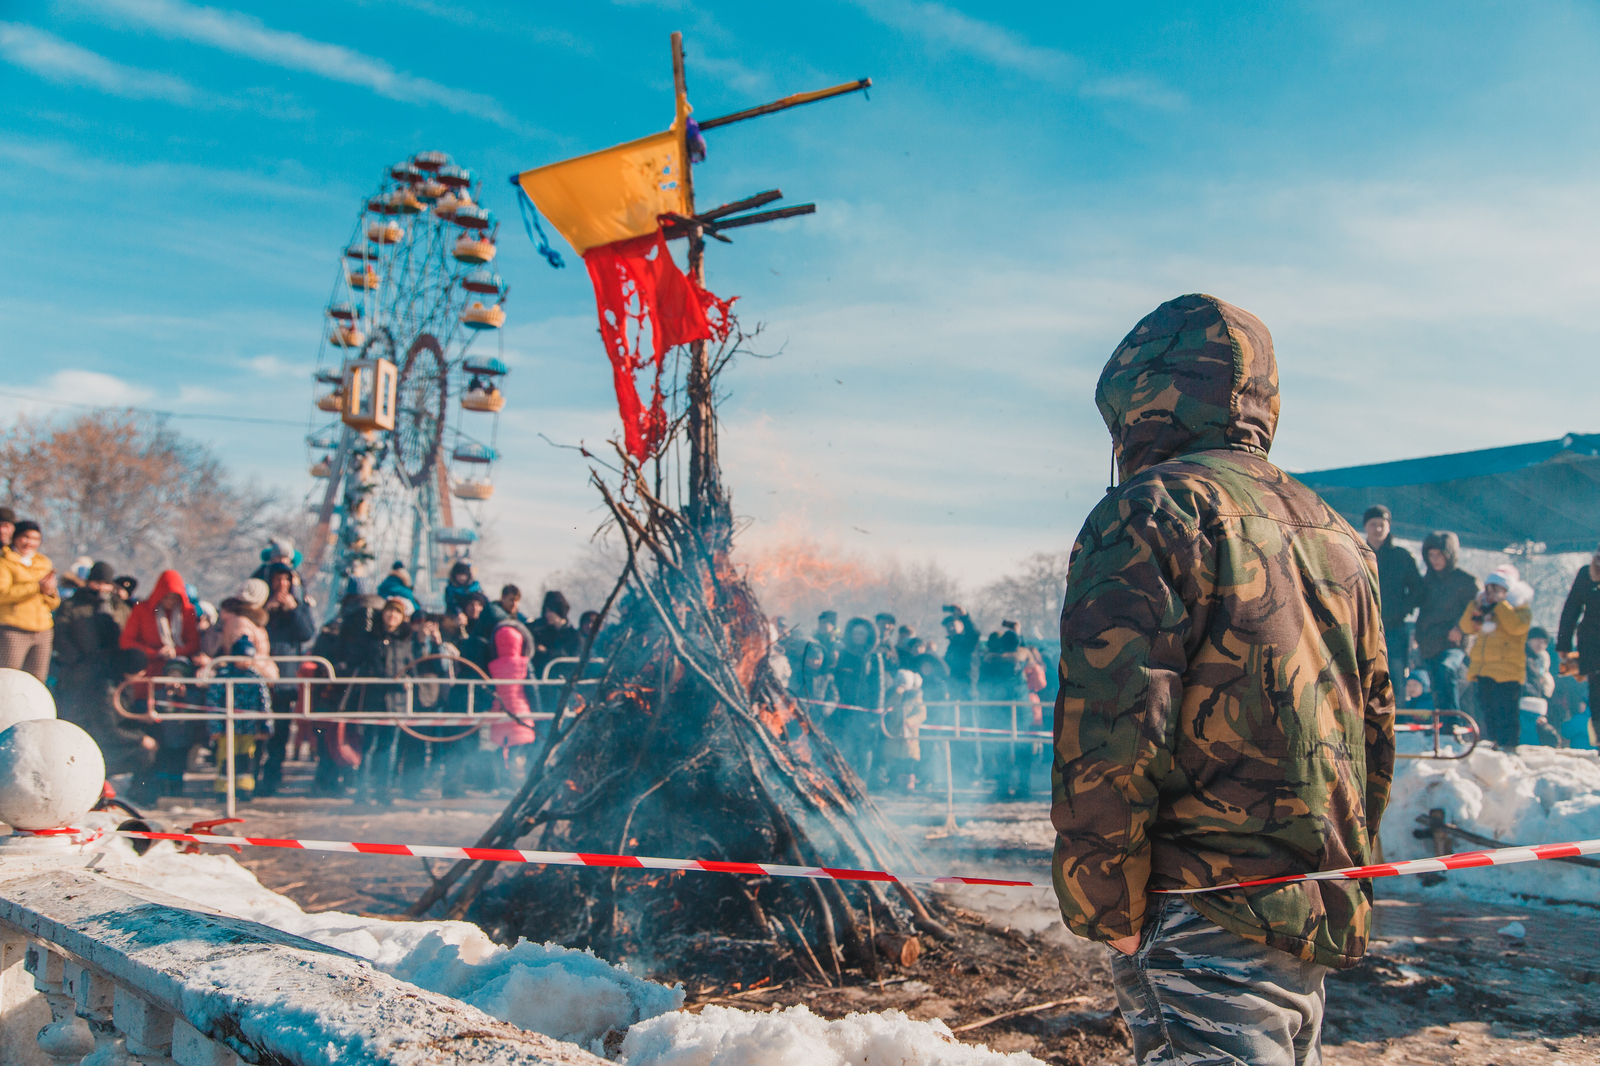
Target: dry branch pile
(692, 747)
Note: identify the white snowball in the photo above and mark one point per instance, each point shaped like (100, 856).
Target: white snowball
(51, 774)
(23, 698)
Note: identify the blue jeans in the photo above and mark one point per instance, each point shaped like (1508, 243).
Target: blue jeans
(1445, 670)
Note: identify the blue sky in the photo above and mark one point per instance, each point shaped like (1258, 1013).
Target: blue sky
(1405, 197)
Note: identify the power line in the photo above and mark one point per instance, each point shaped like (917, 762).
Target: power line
(151, 411)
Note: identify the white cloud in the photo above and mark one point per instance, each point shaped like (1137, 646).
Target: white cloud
(65, 63)
(1137, 90)
(248, 36)
(945, 27)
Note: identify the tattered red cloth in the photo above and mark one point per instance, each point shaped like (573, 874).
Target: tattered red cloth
(639, 289)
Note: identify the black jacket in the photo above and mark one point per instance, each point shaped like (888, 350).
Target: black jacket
(1445, 595)
(1580, 621)
(288, 631)
(1400, 586)
(363, 649)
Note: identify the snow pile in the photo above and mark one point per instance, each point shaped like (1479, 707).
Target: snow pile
(566, 994)
(1537, 796)
(720, 1036)
(1031, 833)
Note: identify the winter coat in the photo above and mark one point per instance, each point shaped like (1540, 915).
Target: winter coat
(553, 642)
(1445, 594)
(860, 678)
(1399, 583)
(143, 629)
(1225, 710)
(395, 585)
(241, 637)
(902, 721)
(455, 595)
(511, 661)
(89, 666)
(1580, 620)
(23, 604)
(365, 650)
(288, 630)
(961, 656)
(1500, 650)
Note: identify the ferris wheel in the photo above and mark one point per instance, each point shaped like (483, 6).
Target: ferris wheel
(407, 470)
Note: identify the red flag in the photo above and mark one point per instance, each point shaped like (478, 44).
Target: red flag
(637, 287)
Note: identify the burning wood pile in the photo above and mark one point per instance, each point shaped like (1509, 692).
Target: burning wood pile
(691, 746)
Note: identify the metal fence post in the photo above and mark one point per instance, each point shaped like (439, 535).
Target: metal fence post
(227, 710)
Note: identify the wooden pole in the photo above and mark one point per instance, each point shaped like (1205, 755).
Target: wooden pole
(787, 102)
(705, 475)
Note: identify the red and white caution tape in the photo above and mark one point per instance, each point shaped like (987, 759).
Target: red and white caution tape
(574, 858)
(1462, 861)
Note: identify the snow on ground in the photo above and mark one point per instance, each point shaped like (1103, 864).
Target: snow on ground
(570, 995)
(720, 1036)
(1536, 796)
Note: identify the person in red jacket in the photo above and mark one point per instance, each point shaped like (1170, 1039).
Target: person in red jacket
(164, 624)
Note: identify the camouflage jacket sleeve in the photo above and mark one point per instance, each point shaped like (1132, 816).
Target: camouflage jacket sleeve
(1123, 634)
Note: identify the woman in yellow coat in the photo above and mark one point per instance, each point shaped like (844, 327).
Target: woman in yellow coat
(28, 598)
(1499, 618)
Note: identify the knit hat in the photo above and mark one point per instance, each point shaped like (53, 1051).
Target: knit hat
(907, 679)
(1377, 510)
(1495, 577)
(829, 616)
(1538, 633)
(254, 592)
(405, 605)
(235, 605)
(101, 572)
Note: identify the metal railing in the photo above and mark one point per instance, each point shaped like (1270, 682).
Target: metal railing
(158, 709)
(1467, 726)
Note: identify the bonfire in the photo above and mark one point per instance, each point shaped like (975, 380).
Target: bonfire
(689, 745)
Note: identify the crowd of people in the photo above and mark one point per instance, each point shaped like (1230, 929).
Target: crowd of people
(86, 630)
(869, 685)
(1455, 643)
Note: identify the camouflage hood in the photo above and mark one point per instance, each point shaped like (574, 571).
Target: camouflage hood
(1196, 374)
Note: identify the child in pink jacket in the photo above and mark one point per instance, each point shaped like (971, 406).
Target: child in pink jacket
(513, 736)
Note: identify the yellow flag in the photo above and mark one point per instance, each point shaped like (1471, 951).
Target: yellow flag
(614, 194)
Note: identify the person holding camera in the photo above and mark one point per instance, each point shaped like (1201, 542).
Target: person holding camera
(29, 595)
(1498, 619)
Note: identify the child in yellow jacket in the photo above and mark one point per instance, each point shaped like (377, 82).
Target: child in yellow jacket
(1499, 617)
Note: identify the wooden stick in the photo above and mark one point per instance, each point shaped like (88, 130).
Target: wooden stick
(777, 105)
(760, 199)
(677, 232)
(798, 935)
(1024, 1010)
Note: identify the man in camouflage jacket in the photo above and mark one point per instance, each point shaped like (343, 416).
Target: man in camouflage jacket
(1225, 710)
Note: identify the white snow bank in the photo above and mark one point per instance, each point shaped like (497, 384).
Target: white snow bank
(1537, 796)
(720, 1036)
(570, 995)
(1029, 833)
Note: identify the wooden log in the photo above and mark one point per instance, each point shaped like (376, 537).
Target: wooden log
(898, 948)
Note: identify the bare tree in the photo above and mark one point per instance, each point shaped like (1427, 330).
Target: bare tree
(1031, 597)
(126, 488)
